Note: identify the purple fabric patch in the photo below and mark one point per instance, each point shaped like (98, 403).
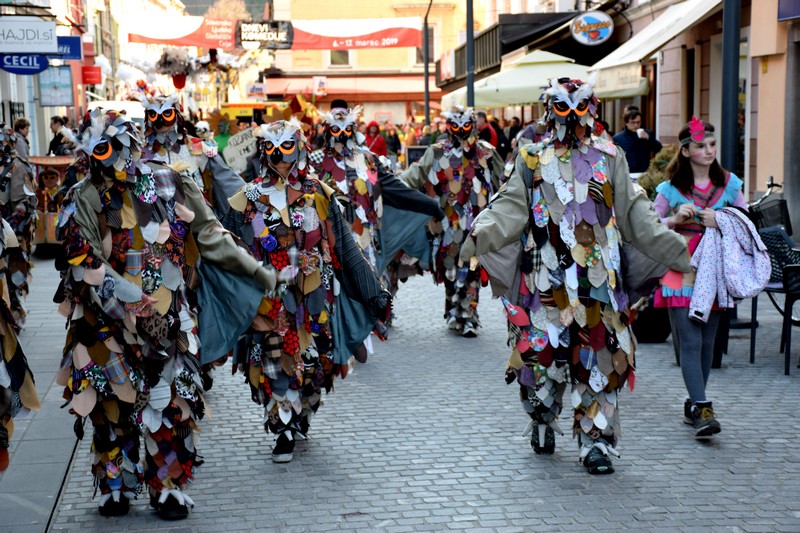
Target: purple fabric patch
(582, 165)
(527, 376)
(603, 213)
(589, 212)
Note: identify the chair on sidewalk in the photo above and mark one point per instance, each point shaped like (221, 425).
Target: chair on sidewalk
(785, 280)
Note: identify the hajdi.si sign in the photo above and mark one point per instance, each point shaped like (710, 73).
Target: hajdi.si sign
(592, 28)
(27, 35)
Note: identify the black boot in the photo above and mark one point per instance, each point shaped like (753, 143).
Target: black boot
(171, 509)
(112, 508)
(597, 463)
(548, 447)
(283, 452)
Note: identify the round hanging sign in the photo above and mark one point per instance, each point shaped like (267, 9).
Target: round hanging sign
(592, 28)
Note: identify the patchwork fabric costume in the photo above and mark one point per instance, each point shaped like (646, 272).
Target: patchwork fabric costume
(463, 172)
(552, 244)
(328, 299)
(17, 388)
(384, 214)
(18, 208)
(133, 236)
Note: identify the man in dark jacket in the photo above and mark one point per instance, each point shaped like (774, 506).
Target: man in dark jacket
(638, 143)
(59, 145)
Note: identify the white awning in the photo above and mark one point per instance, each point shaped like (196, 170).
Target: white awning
(619, 73)
(523, 83)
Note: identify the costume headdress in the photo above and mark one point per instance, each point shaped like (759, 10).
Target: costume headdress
(162, 111)
(461, 121)
(341, 127)
(568, 104)
(697, 132)
(110, 140)
(283, 140)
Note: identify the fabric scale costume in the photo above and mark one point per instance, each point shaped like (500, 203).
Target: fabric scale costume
(328, 299)
(17, 388)
(134, 236)
(463, 172)
(18, 207)
(552, 242)
(384, 214)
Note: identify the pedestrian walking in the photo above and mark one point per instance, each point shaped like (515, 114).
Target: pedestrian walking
(462, 172)
(696, 188)
(329, 297)
(59, 144)
(374, 141)
(135, 236)
(17, 387)
(551, 243)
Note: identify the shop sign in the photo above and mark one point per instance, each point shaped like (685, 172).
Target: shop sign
(257, 91)
(27, 35)
(24, 65)
(592, 28)
(91, 75)
(70, 48)
(269, 35)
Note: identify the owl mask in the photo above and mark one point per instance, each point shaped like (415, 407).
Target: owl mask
(111, 143)
(341, 129)
(570, 110)
(461, 122)
(283, 141)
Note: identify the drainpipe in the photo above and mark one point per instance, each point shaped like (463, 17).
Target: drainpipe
(426, 59)
(470, 57)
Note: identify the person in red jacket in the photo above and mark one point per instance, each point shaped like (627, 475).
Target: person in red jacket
(375, 142)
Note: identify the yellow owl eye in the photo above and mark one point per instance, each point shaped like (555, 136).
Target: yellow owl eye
(269, 147)
(335, 131)
(582, 108)
(287, 147)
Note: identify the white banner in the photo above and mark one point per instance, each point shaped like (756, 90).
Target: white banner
(240, 147)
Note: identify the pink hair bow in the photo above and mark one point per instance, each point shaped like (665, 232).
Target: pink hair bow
(697, 130)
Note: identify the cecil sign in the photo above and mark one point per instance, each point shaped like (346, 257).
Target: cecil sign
(592, 28)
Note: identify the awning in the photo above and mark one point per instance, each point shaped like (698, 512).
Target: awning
(619, 73)
(523, 83)
(411, 85)
(357, 33)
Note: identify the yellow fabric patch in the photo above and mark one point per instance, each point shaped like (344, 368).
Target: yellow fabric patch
(361, 186)
(322, 204)
(530, 160)
(164, 296)
(127, 213)
(77, 260)
(515, 360)
(265, 306)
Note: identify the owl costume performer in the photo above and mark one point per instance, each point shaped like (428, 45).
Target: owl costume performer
(134, 236)
(328, 299)
(17, 389)
(18, 208)
(462, 172)
(553, 243)
(384, 214)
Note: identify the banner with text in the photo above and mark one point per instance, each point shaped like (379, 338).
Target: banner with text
(186, 31)
(357, 33)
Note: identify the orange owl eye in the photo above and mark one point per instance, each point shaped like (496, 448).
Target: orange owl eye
(102, 151)
(269, 147)
(467, 126)
(169, 116)
(152, 114)
(562, 109)
(335, 131)
(287, 147)
(582, 108)
(348, 131)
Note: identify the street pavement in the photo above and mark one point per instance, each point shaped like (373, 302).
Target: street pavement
(428, 437)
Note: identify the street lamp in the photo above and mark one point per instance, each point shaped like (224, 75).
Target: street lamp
(426, 60)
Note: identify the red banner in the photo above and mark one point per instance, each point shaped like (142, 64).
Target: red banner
(187, 31)
(91, 75)
(356, 33)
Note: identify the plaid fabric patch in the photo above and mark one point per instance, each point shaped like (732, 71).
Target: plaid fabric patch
(116, 370)
(272, 368)
(272, 346)
(536, 258)
(165, 182)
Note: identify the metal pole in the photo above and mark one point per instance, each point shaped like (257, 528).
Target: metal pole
(470, 57)
(426, 59)
(731, 21)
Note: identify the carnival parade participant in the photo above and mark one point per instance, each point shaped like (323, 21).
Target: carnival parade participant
(18, 208)
(551, 243)
(384, 214)
(167, 141)
(328, 299)
(463, 172)
(17, 389)
(134, 235)
(696, 187)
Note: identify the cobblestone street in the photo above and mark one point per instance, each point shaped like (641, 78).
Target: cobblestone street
(427, 437)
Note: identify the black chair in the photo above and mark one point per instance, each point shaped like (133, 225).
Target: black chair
(782, 253)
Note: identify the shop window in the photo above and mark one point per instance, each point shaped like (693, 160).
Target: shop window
(340, 58)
